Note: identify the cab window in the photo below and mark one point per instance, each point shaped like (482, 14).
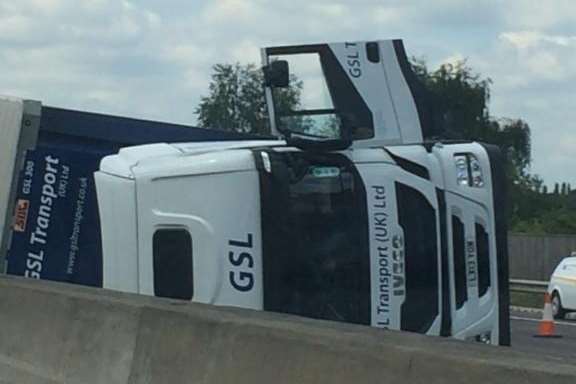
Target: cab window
(321, 101)
(417, 217)
(483, 255)
(306, 107)
(459, 247)
(172, 262)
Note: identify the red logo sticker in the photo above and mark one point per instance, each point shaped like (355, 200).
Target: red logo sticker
(21, 215)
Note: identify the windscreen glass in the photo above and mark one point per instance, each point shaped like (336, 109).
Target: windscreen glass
(315, 238)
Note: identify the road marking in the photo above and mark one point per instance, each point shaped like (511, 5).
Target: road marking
(538, 320)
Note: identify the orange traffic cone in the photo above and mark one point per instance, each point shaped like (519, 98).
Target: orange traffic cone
(546, 327)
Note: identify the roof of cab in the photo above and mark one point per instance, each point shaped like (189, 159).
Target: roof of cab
(185, 158)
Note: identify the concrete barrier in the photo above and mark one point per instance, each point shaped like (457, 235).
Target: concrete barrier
(53, 333)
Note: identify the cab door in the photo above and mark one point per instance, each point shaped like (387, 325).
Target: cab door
(403, 214)
(472, 270)
(366, 88)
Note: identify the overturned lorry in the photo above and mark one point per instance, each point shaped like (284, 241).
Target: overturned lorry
(353, 216)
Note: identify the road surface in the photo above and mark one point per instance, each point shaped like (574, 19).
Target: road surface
(524, 325)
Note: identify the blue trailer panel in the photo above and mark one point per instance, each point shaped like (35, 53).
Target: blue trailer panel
(56, 229)
(56, 234)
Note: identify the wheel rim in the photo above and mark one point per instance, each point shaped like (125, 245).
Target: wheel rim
(555, 305)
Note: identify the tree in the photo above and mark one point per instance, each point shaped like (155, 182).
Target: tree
(236, 100)
(457, 98)
(458, 101)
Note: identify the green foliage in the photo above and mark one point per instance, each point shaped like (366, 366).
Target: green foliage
(460, 106)
(545, 213)
(458, 99)
(459, 103)
(236, 100)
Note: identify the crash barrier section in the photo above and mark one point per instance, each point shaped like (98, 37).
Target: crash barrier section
(529, 286)
(56, 333)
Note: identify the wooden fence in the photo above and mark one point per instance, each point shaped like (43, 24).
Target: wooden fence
(534, 257)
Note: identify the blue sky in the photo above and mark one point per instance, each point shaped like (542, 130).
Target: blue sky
(152, 58)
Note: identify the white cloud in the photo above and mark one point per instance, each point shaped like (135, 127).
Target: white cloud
(12, 26)
(185, 53)
(539, 56)
(533, 39)
(49, 22)
(331, 10)
(219, 11)
(384, 14)
(453, 59)
(153, 59)
(246, 51)
(540, 15)
(522, 40)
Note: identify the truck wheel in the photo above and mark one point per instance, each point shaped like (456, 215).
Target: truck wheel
(557, 310)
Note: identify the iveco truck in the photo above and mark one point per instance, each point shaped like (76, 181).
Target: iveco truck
(353, 216)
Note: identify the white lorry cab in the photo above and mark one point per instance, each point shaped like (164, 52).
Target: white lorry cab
(353, 217)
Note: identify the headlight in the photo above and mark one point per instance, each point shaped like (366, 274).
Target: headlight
(462, 169)
(468, 170)
(476, 168)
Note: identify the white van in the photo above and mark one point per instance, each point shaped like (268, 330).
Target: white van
(368, 224)
(562, 288)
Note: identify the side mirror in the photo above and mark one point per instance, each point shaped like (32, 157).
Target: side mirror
(276, 74)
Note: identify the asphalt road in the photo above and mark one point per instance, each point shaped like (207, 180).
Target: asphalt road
(525, 325)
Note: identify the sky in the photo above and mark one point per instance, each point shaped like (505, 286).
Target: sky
(152, 58)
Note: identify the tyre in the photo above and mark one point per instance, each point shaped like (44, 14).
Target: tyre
(557, 310)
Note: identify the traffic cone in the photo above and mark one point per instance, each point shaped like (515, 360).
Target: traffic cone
(546, 327)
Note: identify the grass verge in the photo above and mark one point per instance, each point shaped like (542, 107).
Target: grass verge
(526, 299)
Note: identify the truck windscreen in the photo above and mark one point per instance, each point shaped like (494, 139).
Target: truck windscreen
(315, 236)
